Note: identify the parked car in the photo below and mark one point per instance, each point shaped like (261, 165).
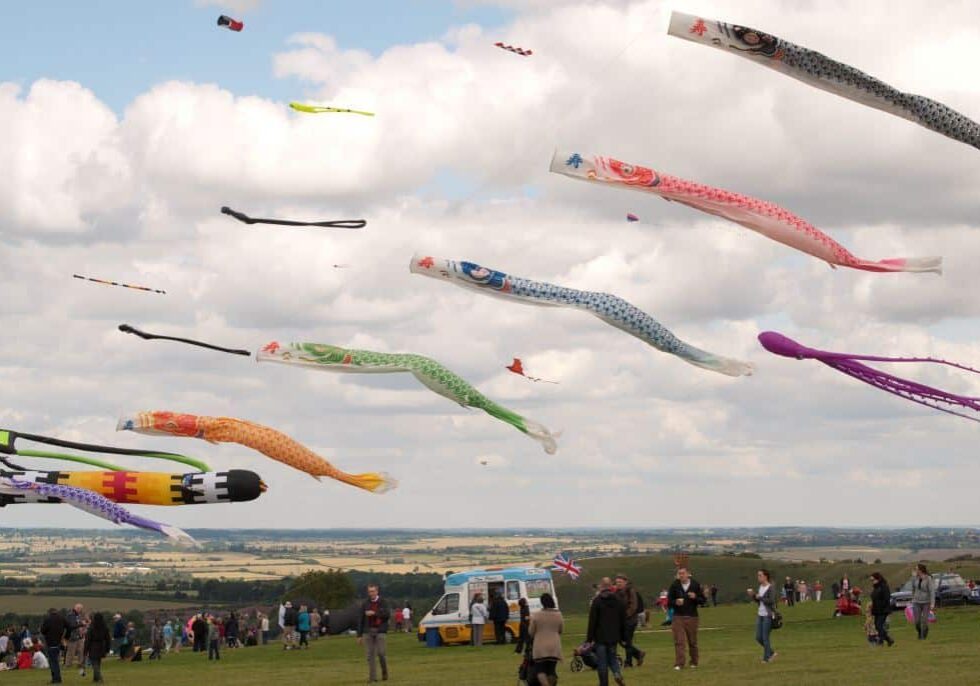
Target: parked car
(951, 589)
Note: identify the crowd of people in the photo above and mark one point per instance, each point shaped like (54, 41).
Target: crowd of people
(76, 639)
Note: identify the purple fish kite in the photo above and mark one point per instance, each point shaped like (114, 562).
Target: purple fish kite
(935, 398)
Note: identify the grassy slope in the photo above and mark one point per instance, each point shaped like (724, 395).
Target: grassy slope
(734, 575)
(814, 649)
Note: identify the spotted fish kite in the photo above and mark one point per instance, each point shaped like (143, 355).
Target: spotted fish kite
(609, 308)
(821, 72)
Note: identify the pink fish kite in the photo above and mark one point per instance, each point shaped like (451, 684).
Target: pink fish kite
(764, 217)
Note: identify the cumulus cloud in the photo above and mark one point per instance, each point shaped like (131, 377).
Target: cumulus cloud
(455, 164)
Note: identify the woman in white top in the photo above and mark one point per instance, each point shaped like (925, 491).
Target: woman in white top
(478, 617)
(407, 615)
(766, 597)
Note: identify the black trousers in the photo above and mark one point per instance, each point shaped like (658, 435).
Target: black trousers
(882, 630)
(522, 638)
(499, 630)
(631, 650)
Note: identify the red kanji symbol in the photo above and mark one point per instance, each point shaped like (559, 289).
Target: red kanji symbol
(271, 347)
(348, 358)
(120, 487)
(699, 27)
(426, 262)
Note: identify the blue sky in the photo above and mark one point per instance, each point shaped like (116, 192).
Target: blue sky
(120, 49)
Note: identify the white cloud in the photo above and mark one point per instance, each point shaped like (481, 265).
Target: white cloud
(647, 438)
(239, 7)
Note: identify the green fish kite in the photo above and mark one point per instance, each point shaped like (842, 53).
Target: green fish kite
(432, 374)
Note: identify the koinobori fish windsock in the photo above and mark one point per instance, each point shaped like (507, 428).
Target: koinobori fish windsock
(429, 372)
(268, 441)
(609, 308)
(766, 218)
(93, 503)
(819, 71)
(147, 488)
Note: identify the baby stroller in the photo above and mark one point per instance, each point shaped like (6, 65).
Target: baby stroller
(584, 657)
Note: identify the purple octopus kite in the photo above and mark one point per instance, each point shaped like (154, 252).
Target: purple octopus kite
(918, 393)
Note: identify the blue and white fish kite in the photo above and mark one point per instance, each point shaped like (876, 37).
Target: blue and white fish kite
(609, 308)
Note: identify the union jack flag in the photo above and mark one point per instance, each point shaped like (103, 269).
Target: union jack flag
(563, 563)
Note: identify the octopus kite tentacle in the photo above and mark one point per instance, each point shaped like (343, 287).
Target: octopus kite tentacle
(268, 441)
(93, 503)
(819, 71)
(611, 309)
(853, 366)
(429, 372)
(761, 216)
(8, 439)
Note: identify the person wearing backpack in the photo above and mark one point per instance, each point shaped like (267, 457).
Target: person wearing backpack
(765, 614)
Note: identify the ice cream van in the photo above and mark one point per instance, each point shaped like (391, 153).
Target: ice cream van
(451, 615)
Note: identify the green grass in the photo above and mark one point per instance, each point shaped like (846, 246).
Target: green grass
(813, 649)
(733, 575)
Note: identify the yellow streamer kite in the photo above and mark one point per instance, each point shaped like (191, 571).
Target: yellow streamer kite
(317, 109)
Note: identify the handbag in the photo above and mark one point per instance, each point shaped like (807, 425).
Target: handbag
(777, 620)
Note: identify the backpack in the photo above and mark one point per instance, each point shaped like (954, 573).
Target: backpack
(640, 605)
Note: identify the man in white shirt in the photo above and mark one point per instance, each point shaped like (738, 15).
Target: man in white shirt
(407, 616)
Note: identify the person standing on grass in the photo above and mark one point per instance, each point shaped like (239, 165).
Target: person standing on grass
(817, 590)
(200, 630)
(478, 618)
(73, 629)
(289, 619)
(766, 597)
(845, 585)
(264, 627)
(315, 624)
(118, 633)
(214, 638)
(372, 632)
(96, 645)
(881, 600)
(156, 640)
(522, 635)
(168, 636)
(53, 630)
(788, 590)
(631, 601)
(499, 615)
(544, 630)
(713, 591)
(407, 616)
(303, 626)
(685, 596)
(607, 629)
(923, 599)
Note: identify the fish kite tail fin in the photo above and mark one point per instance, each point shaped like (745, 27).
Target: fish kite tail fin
(716, 363)
(903, 264)
(536, 431)
(178, 536)
(374, 482)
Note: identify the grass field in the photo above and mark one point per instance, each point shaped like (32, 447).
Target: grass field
(813, 649)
